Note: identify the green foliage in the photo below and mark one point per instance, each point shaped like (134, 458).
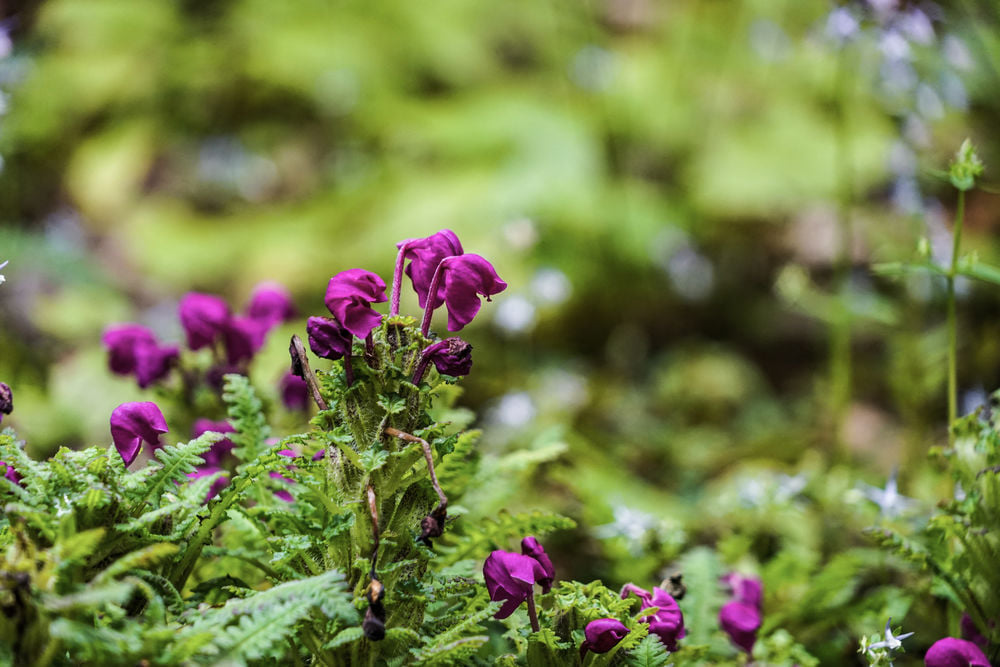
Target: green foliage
(649, 653)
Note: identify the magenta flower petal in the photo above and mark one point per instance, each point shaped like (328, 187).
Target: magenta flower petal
(740, 621)
(952, 652)
(327, 338)
(215, 456)
(425, 255)
(748, 590)
(10, 474)
(153, 362)
(294, 392)
(531, 547)
(466, 277)
(243, 338)
(509, 577)
(203, 317)
(349, 297)
(270, 305)
(135, 423)
(668, 622)
(602, 635)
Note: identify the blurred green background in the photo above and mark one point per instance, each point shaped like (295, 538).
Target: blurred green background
(685, 198)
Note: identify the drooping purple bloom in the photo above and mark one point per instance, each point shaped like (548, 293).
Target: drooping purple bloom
(327, 338)
(6, 400)
(531, 547)
(270, 305)
(349, 297)
(425, 254)
(243, 337)
(509, 577)
(135, 423)
(215, 456)
(971, 632)
(206, 471)
(294, 392)
(451, 356)
(465, 278)
(740, 621)
(952, 652)
(133, 349)
(748, 590)
(203, 317)
(668, 622)
(602, 635)
(11, 474)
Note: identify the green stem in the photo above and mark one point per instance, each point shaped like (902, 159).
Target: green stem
(953, 319)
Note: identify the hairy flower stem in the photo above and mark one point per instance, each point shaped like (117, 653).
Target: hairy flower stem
(953, 318)
(532, 613)
(348, 370)
(395, 432)
(425, 325)
(300, 367)
(373, 508)
(397, 281)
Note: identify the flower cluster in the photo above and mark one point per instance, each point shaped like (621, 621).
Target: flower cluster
(667, 622)
(740, 618)
(208, 323)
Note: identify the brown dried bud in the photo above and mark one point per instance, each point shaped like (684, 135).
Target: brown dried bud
(432, 525)
(297, 352)
(374, 624)
(675, 586)
(6, 399)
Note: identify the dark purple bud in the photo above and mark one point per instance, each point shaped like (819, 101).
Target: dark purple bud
(294, 392)
(349, 297)
(134, 423)
(740, 621)
(432, 525)
(952, 652)
(531, 547)
(10, 474)
(668, 622)
(203, 317)
(465, 278)
(748, 590)
(327, 338)
(217, 486)
(320, 455)
(373, 626)
(215, 376)
(971, 632)
(270, 304)
(602, 635)
(425, 255)
(153, 362)
(6, 400)
(509, 577)
(221, 449)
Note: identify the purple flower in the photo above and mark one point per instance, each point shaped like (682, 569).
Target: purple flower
(748, 590)
(465, 278)
(971, 632)
(531, 547)
(133, 423)
(11, 474)
(215, 456)
(204, 317)
(668, 622)
(425, 255)
(952, 652)
(740, 621)
(281, 493)
(220, 482)
(294, 392)
(602, 635)
(134, 349)
(243, 338)
(6, 400)
(327, 338)
(349, 297)
(451, 356)
(270, 304)
(509, 577)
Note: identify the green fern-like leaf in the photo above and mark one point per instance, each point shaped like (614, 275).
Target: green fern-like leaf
(176, 462)
(649, 653)
(481, 538)
(246, 414)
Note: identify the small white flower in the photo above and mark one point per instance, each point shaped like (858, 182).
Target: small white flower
(891, 643)
(3, 264)
(890, 502)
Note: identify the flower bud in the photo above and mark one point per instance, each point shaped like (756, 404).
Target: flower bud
(6, 400)
(602, 635)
